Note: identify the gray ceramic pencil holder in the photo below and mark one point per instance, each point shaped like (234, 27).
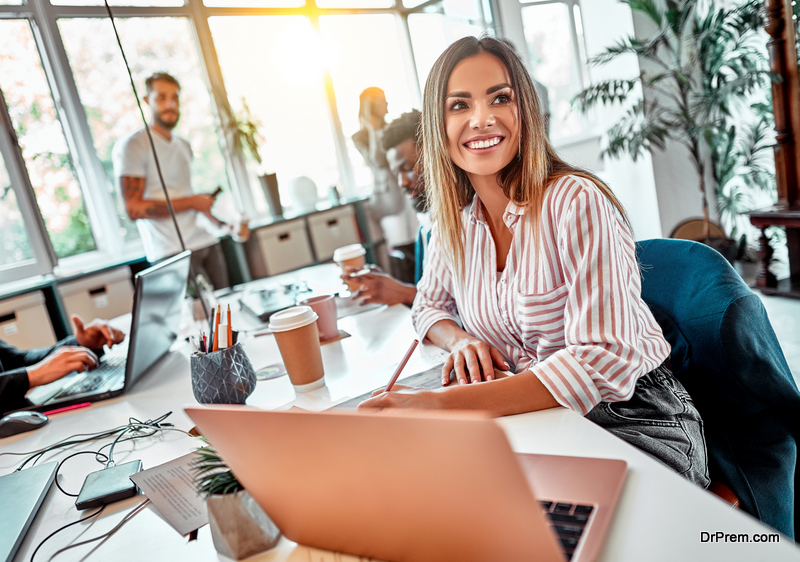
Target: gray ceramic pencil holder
(223, 377)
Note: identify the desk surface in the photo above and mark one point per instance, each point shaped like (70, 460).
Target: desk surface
(660, 515)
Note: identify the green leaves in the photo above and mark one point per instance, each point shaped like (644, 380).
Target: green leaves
(703, 65)
(212, 475)
(610, 91)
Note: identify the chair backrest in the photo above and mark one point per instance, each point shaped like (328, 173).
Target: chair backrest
(726, 354)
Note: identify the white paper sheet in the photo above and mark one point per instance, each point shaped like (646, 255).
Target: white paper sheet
(170, 486)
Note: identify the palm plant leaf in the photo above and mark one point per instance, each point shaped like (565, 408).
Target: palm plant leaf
(711, 64)
(609, 91)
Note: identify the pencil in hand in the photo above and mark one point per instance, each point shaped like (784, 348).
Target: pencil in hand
(401, 365)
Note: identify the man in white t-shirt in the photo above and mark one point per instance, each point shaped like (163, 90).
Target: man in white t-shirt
(135, 168)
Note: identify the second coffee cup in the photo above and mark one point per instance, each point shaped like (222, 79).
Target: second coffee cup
(353, 255)
(297, 336)
(325, 307)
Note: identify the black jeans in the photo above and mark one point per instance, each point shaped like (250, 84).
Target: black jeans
(661, 420)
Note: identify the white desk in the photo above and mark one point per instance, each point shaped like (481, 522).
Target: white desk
(660, 515)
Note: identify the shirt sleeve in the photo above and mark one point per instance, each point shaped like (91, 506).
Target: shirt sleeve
(434, 300)
(603, 329)
(14, 373)
(130, 157)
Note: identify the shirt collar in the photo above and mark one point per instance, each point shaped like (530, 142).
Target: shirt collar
(511, 214)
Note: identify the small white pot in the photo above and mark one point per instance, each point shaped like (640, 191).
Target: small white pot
(239, 527)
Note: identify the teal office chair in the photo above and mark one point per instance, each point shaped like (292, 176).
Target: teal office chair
(725, 353)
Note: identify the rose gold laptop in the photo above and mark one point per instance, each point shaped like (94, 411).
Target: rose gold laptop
(412, 486)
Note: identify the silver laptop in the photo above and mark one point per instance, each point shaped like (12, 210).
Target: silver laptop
(409, 486)
(155, 321)
(21, 495)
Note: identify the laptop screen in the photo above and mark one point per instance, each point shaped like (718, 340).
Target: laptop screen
(156, 320)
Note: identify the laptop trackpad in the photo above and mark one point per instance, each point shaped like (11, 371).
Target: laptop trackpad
(574, 479)
(578, 480)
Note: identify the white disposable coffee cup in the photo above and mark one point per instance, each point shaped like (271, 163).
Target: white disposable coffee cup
(353, 255)
(297, 336)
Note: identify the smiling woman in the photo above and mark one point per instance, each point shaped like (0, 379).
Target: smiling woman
(532, 269)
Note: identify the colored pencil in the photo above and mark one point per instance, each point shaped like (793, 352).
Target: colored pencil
(230, 330)
(216, 329)
(401, 365)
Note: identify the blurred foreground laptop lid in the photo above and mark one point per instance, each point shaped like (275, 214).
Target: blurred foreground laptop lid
(21, 495)
(392, 486)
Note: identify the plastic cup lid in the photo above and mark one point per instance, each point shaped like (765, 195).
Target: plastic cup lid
(348, 252)
(291, 318)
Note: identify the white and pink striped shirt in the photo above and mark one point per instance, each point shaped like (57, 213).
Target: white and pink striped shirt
(569, 310)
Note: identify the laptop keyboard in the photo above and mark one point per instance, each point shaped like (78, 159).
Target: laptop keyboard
(568, 521)
(98, 379)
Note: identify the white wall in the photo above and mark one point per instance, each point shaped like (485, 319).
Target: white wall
(604, 21)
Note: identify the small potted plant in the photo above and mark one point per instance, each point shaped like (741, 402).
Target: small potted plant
(246, 135)
(239, 527)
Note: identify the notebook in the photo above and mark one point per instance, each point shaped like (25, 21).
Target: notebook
(412, 485)
(155, 321)
(21, 495)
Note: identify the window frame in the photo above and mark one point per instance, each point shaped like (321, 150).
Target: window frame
(100, 207)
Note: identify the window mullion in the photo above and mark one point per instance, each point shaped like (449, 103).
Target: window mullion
(411, 62)
(90, 174)
(26, 197)
(339, 140)
(234, 159)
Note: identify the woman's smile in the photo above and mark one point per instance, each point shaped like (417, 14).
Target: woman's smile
(483, 143)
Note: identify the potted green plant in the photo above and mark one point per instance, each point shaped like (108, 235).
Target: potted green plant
(702, 62)
(244, 130)
(239, 527)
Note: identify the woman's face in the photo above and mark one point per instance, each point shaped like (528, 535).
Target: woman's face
(480, 116)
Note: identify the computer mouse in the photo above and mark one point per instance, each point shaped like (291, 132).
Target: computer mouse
(20, 422)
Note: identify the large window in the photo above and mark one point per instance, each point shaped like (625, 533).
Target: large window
(272, 63)
(151, 45)
(364, 51)
(554, 34)
(42, 141)
(14, 243)
(299, 65)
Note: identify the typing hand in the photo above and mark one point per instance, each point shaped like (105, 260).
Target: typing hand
(380, 288)
(402, 397)
(96, 333)
(470, 358)
(61, 362)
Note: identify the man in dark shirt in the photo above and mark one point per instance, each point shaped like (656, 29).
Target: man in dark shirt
(21, 370)
(402, 143)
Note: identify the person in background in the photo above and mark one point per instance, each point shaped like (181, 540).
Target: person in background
(401, 143)
(145, 203)
(389, 215)
(21, 370)
(532, 282)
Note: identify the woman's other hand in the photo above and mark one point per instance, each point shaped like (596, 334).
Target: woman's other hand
(402, 397)
(470, 358)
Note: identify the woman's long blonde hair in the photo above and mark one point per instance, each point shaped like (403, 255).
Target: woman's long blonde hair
(524, 180)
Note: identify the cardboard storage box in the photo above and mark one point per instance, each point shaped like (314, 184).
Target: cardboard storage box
(24, 321)
(333, 229)
(104, 295)
(279, 248)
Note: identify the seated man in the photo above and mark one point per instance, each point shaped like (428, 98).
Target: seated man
(21, 370)
(402, 144)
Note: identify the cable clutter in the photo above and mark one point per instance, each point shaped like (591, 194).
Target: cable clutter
(108, 484)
